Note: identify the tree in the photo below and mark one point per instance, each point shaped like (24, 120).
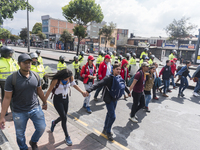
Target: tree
(82, 12)
(41, 35)
(4, 34)
(80, 32)
(179, 29)
(14, 37)
(65, 37)
(107, 31)
(23, 34)
(9, 7)
(36, 28)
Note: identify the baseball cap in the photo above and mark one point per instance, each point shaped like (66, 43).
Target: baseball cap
(172, 61)
(144, 64)
(91, 58)
(24, 57)
(107, 56)
(175, 59)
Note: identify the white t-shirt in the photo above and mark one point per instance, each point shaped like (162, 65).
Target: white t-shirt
(63, 89)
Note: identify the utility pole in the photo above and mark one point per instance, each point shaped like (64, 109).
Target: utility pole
(197, 51)
(28, 39)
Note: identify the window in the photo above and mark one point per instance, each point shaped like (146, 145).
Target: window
(112, 42)
(44, 29)
(44, 22)
(102, 40)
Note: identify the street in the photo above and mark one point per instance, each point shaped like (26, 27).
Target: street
(173, 122)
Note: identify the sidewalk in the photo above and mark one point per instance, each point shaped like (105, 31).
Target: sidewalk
(81, 137)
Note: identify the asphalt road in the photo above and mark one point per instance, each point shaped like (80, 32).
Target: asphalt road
(172, 124)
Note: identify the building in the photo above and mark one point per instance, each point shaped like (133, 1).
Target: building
(53, 28)
(110, 45)
(93, 29)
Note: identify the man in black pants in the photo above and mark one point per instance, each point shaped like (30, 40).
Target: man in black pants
(138, 91)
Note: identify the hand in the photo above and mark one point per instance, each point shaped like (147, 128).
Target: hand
(87, 94)
(190, 78)
(129, 94)
(2, 123)
(44, 106)
(84, 94)
(94, 77)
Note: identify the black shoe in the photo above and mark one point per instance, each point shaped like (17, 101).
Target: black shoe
(6, 114)
(52, 125)
(33, 145)
(104, 132)
(109, 136)
(147, 109)
(182, 94)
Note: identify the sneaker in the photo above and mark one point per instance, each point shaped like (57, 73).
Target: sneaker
(104, 132)
(33, 145)
(179, 95)
(156, 98)
(95, 99)
(125, 97)
(88, 110)
(109, 136)
(136, 117)
(52, 125)
(147, 109)
(68, 141)
(165, 95)
(84, 105)
(182, 94)
(169, 91)
(196, 94)
(133, 119)
(160, 90)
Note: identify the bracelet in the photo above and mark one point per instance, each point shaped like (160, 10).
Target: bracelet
(44, 104)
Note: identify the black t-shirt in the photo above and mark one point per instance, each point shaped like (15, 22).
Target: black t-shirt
(91, 70)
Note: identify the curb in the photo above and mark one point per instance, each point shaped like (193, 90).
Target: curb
(4, 143)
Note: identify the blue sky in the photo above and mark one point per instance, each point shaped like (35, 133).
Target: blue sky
(142, 17)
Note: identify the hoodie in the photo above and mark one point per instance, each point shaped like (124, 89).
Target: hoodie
(124, 70)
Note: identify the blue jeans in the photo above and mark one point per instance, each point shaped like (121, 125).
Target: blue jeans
(20, 121)
(197, 88)
(166, 85)
(147, 100)
(97, 92)
(184, 84)
(110, 117)
(173, 83)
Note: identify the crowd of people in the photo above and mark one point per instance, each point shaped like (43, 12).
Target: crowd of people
(22, 83)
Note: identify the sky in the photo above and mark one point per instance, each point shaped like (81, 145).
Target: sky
(146, 18)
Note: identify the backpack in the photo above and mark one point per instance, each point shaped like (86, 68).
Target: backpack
(130, 81)
(117, 88)
(179, 68)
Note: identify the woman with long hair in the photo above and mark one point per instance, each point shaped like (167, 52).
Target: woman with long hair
(60, 84)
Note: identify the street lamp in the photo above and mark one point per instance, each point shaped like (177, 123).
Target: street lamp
(28, 39)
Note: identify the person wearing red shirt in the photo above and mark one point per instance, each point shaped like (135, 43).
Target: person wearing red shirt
(88, 72)
(124, 72)
(173, 69)
(104, 70)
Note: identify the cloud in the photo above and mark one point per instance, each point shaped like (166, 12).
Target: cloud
(141, 17)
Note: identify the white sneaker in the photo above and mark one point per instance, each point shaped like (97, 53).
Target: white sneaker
(136, 117)
(133, 119)
(196, 94)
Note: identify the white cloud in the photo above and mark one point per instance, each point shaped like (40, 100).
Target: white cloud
(142, 17)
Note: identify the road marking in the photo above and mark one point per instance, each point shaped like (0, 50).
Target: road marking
(115, 142)
(98, 132)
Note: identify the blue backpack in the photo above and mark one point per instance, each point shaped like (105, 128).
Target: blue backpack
(117, 88)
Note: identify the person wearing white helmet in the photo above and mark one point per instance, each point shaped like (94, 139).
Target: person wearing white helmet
(172, 55)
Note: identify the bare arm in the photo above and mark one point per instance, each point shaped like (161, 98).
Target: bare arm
(41, 95)
(5, 105)
(132, 85)
(53, 83)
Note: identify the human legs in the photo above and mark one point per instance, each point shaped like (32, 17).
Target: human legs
(182, 84)
(197, 88)
(173, 83)
(110, 117)
(147, 100)
(185, 84)
(87, 99)
(37, 117)
(20, 121)
(136, 98)
(61, 106)
(165, 86)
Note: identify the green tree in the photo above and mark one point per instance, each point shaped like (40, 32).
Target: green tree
(4, 34)
(14, 37)
(23, 34)
(179, 29)
(36, 28)
(65, 37)
(107, 31)
(41, 35)
(82, 12)
(9, 7)
(80, 32)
